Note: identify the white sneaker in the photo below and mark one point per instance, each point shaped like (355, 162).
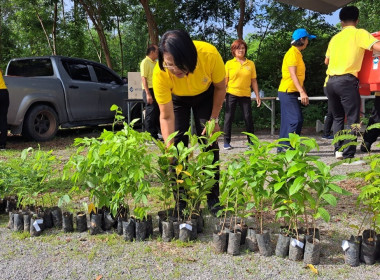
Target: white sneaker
(358, 162)
(339, 155)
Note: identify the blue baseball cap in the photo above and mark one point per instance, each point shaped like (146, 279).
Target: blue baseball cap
(300, 33)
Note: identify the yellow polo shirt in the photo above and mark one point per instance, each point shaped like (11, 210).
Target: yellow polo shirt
(326, 80)
(146, 69)
(293, 57)
(209, 69)
(346, 51)
(2, 83)
(240, 77)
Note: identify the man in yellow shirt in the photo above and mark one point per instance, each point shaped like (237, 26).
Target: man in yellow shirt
(189, 76)
(344, 57)
(152, 112)
(4, 104)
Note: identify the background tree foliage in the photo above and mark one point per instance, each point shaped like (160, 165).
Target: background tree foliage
(115, 32)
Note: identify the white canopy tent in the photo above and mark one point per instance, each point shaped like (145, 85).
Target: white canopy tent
(322, 6)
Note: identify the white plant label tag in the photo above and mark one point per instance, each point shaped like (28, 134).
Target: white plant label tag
(293, 243)
(36, 222)
(296, 242)
(187, 226)
(345, 245)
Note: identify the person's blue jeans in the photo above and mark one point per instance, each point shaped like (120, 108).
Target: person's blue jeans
(291, 114)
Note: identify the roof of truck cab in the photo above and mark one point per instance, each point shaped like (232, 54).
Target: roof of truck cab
(57, 56)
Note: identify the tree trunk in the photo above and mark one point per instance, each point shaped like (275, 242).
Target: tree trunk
(241, 19)
(121, 46)
(54, 31)
(63, 12)
(152, 25)
(94, 14)
(46, 35)
(98, 53)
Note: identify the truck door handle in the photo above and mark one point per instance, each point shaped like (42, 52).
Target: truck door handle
(103, 88)
(72, 86)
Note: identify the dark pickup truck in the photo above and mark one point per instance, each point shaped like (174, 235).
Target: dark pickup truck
(55, 91)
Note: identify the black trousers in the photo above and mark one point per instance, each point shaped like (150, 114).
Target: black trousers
(344, 101)
(152, 115)
(231, 103)
(4, 104)
(329, 118)
(201, 105)
(370, 136)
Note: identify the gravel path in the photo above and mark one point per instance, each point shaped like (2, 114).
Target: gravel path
(56, 255)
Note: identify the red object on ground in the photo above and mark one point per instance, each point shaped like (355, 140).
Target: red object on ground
(369, 75)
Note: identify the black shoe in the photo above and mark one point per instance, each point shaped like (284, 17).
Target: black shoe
(365, 147)
(2, 148)
(214, 210)
(328, 137)
(213, 206)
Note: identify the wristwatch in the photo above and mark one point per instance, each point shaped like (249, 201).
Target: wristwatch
(215, 119)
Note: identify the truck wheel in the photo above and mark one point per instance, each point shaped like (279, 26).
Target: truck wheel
(40, 123)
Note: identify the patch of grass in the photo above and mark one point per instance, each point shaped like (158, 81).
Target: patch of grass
(148, 249)
(20, 235)
(53, 238)
(92, 254)
(181, 244)
(4, 219)
(175, 274)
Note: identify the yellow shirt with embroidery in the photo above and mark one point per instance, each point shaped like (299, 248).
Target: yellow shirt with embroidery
(2, 83)
(293, 57)
(240, 77)
(346, 51)
(146, 69)
(209, 69)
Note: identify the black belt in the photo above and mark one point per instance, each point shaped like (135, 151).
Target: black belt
(344, 75)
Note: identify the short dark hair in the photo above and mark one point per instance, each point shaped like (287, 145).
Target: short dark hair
(299, 43)
(179, 44)
(349, 13)
(236, 44)
(151, 48)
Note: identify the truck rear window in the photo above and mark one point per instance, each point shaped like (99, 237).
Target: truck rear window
(30, 68)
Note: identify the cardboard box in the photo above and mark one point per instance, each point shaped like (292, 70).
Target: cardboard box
(134, 85)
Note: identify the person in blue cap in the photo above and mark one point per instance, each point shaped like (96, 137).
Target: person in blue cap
(291, 86)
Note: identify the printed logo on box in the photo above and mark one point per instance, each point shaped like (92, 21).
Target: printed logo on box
(375, 63)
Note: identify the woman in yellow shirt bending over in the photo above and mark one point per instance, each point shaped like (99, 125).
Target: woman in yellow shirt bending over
(240, 77)
(291, 86)
(189, 76)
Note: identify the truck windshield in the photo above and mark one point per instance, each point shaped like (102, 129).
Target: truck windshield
(30, 68)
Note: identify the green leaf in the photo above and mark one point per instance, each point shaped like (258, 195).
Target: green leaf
(330, 199)
(297, 185)
(324, 214)
(335, 188)
(278, 186)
